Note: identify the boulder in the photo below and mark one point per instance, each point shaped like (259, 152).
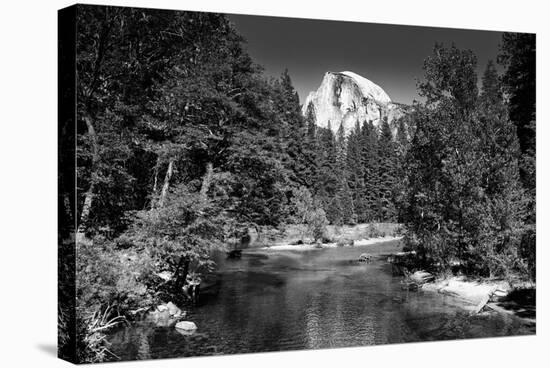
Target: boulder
(161, 319)
(165, 275)
(186, 327)
(421, 277)
(173, 310)
(365, 257)
(165, 315)
(411, 286)
(235, 254)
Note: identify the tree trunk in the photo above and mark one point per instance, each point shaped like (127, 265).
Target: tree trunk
(166, 184)
(88, 197)
(206, 181)
(181, 274)
(155, 184)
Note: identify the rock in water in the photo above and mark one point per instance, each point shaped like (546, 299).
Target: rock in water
(161, 319)
(421, 277)
(365, 257)
(173, 309)
(347, 98)
(186, 327)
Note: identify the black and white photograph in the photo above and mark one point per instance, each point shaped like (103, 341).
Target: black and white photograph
(234, 183)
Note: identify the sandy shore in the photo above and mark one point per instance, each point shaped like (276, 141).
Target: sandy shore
(471, 291)
(304, 247)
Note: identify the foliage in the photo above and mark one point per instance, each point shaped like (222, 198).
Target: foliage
(308, 214)
(518, 56)
(110, 282)
(182, 143)
(107, 275)
(180, 236)
(92, 338)
(318, 224)
(464, 201)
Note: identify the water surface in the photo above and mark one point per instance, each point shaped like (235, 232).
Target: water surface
(287, 300)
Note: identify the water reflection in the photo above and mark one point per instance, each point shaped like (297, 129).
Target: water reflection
(308, 300)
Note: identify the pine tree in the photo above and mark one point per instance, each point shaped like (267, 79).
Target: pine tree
(387, 154)
(371, 162)
(293, 132)
(327, 184)
(402, 146)
(356, 176)
(311, 149)
(311, 125)
(344, 197)
(491, 93)
(463, 197)
(505, 198)
(340, 145)
(518, 56)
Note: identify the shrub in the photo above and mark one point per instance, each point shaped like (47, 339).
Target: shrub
(373, 232)
(92, 346)
(109, 276)
(318, 224)
(307, 213)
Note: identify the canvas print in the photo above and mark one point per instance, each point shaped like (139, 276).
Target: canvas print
(236, 184)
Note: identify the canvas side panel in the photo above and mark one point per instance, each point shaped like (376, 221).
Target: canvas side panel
(66, 183)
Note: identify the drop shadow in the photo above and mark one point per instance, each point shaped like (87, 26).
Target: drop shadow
(50, 349)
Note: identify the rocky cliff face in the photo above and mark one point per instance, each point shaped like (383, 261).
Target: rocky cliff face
(346, 97)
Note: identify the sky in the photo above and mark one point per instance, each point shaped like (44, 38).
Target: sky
(389, 55)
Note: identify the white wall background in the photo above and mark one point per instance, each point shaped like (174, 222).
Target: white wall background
(28, 185)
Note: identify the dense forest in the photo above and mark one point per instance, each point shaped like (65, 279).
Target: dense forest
(183, 144)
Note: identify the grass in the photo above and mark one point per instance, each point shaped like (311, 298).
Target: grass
(93, 339)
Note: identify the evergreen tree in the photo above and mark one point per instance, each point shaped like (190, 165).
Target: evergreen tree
(402, 136)
(464, 201)
(491, 92)
(371, 163)
(356, 176)
(402, 146)
(518, 56)
(343, 199)
(293, 137)
(387, 156)
(501, 181)
(328, 182)
(311, 125)
(311, 149)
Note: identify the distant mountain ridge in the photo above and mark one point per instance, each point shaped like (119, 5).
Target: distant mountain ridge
(346, 98)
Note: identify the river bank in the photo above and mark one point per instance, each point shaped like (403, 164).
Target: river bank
(475, 295)
(486, 295)
(306, 247)
(284, 299)
(269, 237)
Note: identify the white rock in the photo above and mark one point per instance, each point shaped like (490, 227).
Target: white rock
(173, 309)
(422, 277)
(165, 275)
(186, 326)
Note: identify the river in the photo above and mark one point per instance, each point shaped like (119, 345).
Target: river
(285, 300)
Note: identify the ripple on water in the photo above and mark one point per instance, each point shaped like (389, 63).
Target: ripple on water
(310, 300)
